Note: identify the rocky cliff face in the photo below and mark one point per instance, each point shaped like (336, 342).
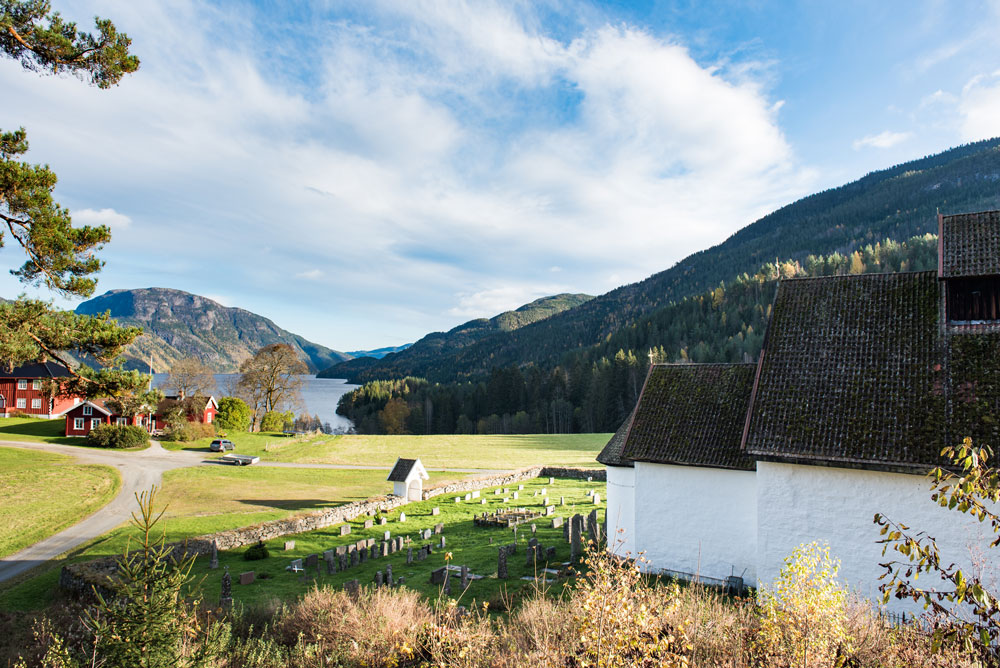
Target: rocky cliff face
(180, 324)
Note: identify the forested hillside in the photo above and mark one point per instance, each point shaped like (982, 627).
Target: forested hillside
(895, 203)
(593, 389)
(179, 324)
(425, 353)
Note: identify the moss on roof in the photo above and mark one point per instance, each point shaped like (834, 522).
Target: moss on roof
(970, 244)
(852, 373)
(611, 454)
(692, 414)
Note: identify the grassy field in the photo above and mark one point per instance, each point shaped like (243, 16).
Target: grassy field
(43, 493)
(436, 451)
(36, 429)
(467, 544)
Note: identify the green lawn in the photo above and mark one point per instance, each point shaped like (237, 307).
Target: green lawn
(435, 451)
(36, 429)
(42, 494)
(467, 544)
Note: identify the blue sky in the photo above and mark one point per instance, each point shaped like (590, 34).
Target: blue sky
(364, 173)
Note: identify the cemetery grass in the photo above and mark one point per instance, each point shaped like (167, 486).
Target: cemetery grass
(489, 452)
(42, 493)
(468, 545)
(204, 500)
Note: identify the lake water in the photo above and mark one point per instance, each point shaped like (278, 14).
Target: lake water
(319, 394)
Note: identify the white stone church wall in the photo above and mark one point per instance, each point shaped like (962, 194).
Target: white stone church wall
(696, 520)
(621, 510)
(799, 504)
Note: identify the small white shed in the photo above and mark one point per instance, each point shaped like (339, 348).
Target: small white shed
(407, 478)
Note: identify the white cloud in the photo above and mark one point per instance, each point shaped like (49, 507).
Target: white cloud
(488, 303)
(310, 275)
(979, 108)
(884, 139)
(109, 217)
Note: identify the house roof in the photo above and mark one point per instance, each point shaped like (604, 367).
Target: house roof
(852, 373)
(403, 468)
(98, 404)
(611, 454)
(35, 370)
(969, 244)
(692, 414)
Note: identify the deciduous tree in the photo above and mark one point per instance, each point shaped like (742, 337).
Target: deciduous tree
(189, 377)
(270, 380)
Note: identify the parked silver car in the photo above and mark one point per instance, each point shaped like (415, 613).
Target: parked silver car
(221, 445)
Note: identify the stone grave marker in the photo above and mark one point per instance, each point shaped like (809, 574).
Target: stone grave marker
(402, 517)
(352, 587)
(590, 478)
(295, 566)
(378, 578)
(550, 510)
(562, 500)
(289, 545)
(468, 497)
(438, 575)
(482, 502)
(312, 560)
(435, 511)
(226, 599)
(362, 555)
(533, 528)
(557, 522)
(497, 492)
(465, 577)
(505, 499)
(520, 487)
(409, 555)
(387, 535)
(354, 556)
(439, 528)
(399, 582)
(345, 530)
(247, 578)
(458, 499)
(441, 544)
(369, 524)
(552, 481)
(597, 499)
(590, 492)
(375, 552)
(383, 521)
(422, 554)
(214, 563)
(550, 554)
(515, 495)
(343, 562)
(340, 549)
(576, 545)
(502, 563)
(385, 548)
(475, 494)
(388, 575)
(331, 564)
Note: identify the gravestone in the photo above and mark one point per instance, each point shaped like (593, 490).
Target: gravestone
(502, 563)
(590, 478)
(399, 582)
(378, 578)
(295, 566)
(343, 562)
(590, 492)
(422, 554)
(402, 517)
(475, 494)
(312, 560)
(505, 499)
(388, 575)
(544, 491)
(465, 578)
(506, 490)
(552, 481)
(458, 499)
(387, 535)
(362, 555)
(438, 575)
(425, 534)
(545, 500)
(289, 545)
(354, 556)
(331, 564)
(533, 528)
(409, 555)
(215, 556)
(562, 500)
(575, 529)
(340, 549)
(345, 530)
(550, 554)
(482, 502)
(597, 499)
(535, 493)
(369, 524)
(247, 578)
(226, 599)
(468, 496)
(385, 548)
(441, 544)
(375, 552)
(352, 587)
(515, 495)
(520, 487)
(382, 521)
(550, 510)
(532, 543)
(399, 543)
(557, 522)
(435, 511)
(497, 492)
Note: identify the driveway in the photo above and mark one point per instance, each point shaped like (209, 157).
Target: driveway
(139, 471)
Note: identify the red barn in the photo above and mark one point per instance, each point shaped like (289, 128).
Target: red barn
(21, 391)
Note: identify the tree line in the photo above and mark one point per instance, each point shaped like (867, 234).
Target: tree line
(594, 389)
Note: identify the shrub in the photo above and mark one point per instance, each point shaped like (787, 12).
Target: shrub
(256, 552)
(234, 414)
(276, 421)
(117, 436)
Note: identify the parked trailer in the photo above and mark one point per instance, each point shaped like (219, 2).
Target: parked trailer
(239, 460)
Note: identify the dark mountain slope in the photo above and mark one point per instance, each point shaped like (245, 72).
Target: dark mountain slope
(179, 324)
(895, 203)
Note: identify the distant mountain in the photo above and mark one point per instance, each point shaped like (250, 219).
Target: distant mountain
(179, 324)
(420, 358)
(895, 203)
(378, 353)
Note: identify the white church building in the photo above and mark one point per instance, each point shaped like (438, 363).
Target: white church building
(724, 469)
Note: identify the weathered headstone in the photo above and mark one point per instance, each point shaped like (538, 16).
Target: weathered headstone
(458, 499)
(475, 494)
(497, 492)
(557, 522)
(226, 598)
(465, 577)
(562, 500)
(533, 528)
(340, 549)
(345, 530)
(247, 578)
(532, 542)
(502, 563)
(550, 510)
(575, 528)
(515, 495)
(597, 499)
(552, 481)
(438, 575)
(422, 554)
(378, 578)
(295, 566)
(409, 555)
(590, 492)
(375, 553)
(331, 564)
(388, 575)
(441, 544)
(482, 502)
(435, 511)
(387, 535)
(468, 496)
(343, 562)
(352, 587)
(369, 524)
(550, 554)
(383, 521)
(289, 545)
(362, 555)
(544, 491)
(520, 487)
(590, 478)
(385, 548)
(402, 517)
(354, 556)
(214, 563)
(505, 499)
(312, 560)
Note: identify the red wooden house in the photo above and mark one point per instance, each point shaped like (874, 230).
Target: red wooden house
(21, 391)
(81, 418)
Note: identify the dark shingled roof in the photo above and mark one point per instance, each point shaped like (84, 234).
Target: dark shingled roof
(970, 244)
(611, 455)
(35, 370)
(692, 414)
(401, 470)
(852, 373)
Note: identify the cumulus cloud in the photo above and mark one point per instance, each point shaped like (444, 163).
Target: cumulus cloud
(884, 139)
(488, 303)
(109, 217)
(310, 275)
(979, 107)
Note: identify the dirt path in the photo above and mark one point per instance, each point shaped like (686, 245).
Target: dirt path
(139, 471)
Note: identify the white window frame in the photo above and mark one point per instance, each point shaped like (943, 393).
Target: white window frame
(20, 403)
(22, 384)
(88, 410)
(77, 424)
(36, 384)
(120, 421)
(95, 423)
(36, 403)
